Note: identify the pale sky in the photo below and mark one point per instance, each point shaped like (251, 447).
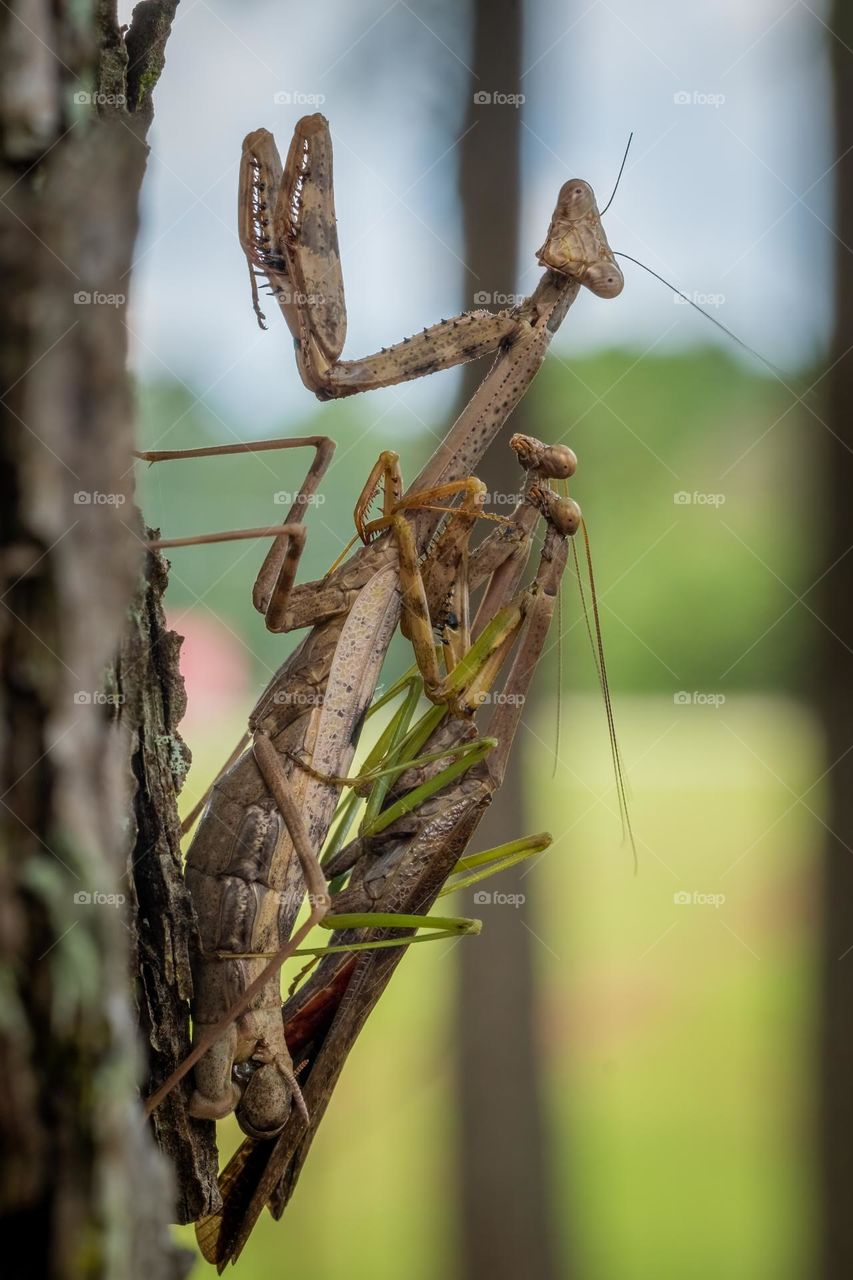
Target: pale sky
(727, 190)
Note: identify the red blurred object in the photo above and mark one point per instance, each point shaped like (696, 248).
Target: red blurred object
(214, 665)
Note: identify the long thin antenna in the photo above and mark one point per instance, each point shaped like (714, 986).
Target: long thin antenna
(695, 305)
(619, 175)
(601, 666)
(560, 640)
(563, 488)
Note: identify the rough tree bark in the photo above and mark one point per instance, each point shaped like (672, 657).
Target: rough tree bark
(836, 700)
(506, 1219)
(151, 701)
(82, 1188)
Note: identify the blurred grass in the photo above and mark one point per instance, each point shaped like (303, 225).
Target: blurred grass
(675, 1038)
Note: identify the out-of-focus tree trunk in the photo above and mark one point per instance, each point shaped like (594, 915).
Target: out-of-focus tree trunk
(506, 1217)
(83, 1192)
(836, 1127)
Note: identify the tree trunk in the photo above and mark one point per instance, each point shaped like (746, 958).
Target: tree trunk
(505, 1214)
(836, 668)
(151, 703)
(82, 1188)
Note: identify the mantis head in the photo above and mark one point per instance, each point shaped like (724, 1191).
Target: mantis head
(555, 461)
(563, 514)
(576, 245)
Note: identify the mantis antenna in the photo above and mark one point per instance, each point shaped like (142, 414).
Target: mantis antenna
(619, 174)
(774, 369)
(597, 643)
(560, 639)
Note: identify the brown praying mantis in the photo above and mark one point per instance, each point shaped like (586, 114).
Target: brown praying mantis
(412, 838)
(266, 810)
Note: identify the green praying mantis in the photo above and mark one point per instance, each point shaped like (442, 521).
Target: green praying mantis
(254, 851)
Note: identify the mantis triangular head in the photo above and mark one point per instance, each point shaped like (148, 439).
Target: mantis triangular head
(576, 244)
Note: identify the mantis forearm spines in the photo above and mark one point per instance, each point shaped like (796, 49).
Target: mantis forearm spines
(288, 232)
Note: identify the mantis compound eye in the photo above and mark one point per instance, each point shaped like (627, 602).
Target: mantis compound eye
(558, 462)
(566, 516)
(265, 1105)
(563, 514)
(604, 279)
(575, 199)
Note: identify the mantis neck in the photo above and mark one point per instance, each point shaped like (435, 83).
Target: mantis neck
(514, 369)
